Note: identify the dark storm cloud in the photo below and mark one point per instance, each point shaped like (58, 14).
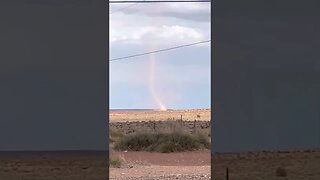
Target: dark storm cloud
(53, 75)
(266, 73)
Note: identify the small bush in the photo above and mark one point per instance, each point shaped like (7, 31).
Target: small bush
(114, 135)
(162, 142)
(115, 162)
(281, 172)
(173, 127)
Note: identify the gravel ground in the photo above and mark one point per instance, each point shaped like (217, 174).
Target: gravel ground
(156, 172)
(167, 177)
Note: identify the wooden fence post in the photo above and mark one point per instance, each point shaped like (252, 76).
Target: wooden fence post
(227, 174)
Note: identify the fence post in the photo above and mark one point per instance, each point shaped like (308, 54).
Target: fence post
(227, 173)
(181, 120)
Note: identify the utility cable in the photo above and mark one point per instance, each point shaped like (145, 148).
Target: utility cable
(161, 50)
(123, 8)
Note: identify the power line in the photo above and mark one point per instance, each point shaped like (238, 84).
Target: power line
(144, 1)
(160, 1)
(161, 50)
(123, 8)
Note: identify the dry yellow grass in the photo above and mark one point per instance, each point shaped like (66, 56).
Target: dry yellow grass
(192, 114)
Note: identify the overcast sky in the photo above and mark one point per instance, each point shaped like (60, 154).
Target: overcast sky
(181, 77)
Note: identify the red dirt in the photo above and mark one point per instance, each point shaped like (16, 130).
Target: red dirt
(194, 158)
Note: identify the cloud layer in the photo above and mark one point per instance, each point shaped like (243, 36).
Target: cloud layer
(182, 77)
(168, 23)
(198, 12)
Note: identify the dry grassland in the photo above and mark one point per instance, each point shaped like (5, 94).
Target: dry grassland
(193, 114)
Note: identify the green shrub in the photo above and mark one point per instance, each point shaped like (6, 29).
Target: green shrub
(162, 142)
(115, 162)
(114, 135)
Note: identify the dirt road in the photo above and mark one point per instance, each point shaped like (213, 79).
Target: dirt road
(158, 166)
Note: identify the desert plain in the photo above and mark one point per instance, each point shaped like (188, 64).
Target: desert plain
(261, 165)
(156, 165)
(81, 165)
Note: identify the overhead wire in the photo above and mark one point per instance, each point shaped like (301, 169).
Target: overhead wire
(151, 1)
(160, 50)
(123, 8)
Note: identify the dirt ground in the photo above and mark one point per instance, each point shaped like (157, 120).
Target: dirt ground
(161, 173)
(298, 165)
(147, 165)
(157, 166)
(191, 158)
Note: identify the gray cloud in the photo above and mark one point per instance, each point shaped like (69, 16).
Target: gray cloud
(188, 12)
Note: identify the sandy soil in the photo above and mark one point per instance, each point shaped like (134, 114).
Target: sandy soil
(299, 165)
(155, 172)
(193, 114)
(194, 158)
(147, 165)
(304, 165)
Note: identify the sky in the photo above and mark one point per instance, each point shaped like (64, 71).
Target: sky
(179, 79)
